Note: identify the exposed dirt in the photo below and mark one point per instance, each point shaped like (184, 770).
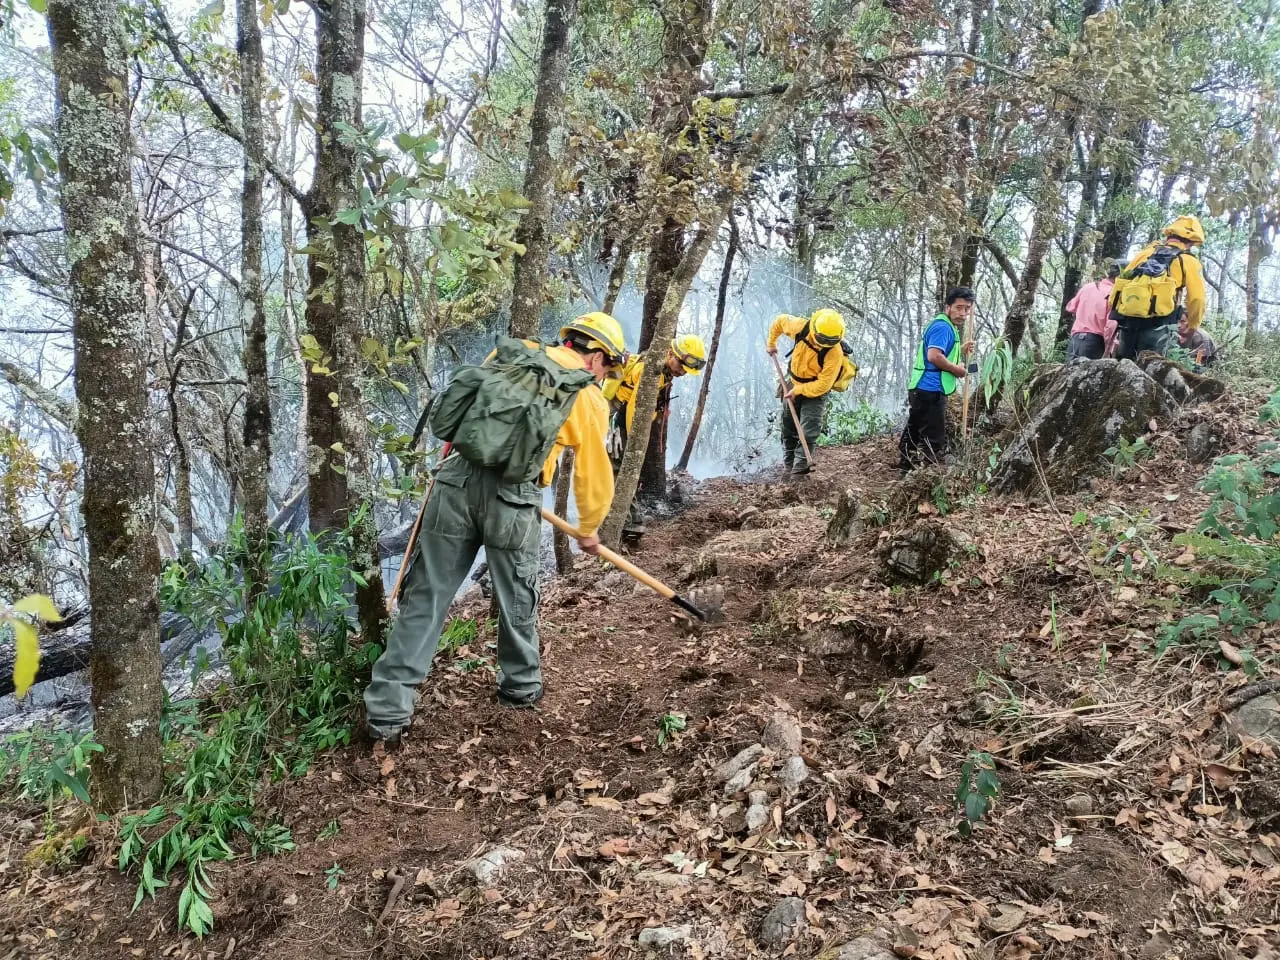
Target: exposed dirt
(1129, 823)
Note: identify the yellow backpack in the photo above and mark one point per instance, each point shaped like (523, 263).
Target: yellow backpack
(1148, 291)
(848, 372)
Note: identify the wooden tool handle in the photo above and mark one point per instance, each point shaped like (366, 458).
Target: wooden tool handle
(626, 566)
(795, 417)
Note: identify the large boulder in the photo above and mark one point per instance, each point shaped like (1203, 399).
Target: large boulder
(1070, 415)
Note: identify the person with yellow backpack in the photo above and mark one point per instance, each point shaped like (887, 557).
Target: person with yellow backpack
(818, 363)
(1161, 288)
(686, 355)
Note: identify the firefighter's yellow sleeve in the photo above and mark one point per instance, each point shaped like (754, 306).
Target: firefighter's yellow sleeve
(784, 324)
(1193, 281)
(584, 433)
(631, 389)
(826, 376)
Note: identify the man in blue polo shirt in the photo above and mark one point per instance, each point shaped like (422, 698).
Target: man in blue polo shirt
(937, 367)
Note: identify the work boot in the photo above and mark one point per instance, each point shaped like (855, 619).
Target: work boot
(801, 468)
(788, 461)
(388, 733)
(525, 702)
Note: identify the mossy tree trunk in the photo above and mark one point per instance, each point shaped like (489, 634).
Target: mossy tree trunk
(340, 38)
(90, 66)
(326, 486)
(534, 231)
(647, 393)
(257, 410)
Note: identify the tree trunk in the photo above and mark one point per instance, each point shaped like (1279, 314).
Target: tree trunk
(1228, 254)
(90, 66)
(289, 315)
(647, 393)
(1044, 228)
(564, 554)
(1258, 251)
(1117, 214)
(721, 296)
(342, 52)
(1074, 273)
(327, 487)
(253, 319)
(684, 51)
(618, 273)
(539, 176)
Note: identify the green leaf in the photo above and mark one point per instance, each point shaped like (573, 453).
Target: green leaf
(350, 216)
(513, 200)
(39, 6)
(975, 805)
(73, 784)
(39, 605)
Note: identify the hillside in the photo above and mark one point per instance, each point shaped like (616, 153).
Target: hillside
(1129, 820)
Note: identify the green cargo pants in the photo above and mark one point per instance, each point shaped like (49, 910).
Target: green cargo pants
(1132, 339)
(810, 411)
(469, 507)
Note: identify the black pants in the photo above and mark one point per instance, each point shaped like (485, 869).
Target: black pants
(924, 438)
(1089, 346)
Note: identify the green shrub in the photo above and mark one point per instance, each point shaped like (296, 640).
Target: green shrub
(846, 424)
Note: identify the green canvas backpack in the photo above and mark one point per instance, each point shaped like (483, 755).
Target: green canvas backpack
(505, 414)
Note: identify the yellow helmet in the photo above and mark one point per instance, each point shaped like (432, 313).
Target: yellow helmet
(827, 326)
(1186, 228)
(597, 331)
(691, 352)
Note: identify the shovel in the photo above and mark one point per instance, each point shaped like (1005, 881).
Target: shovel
(394, 595)
(711, 614)
(795, 418)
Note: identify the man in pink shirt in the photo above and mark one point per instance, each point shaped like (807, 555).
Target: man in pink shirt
(1094, 333)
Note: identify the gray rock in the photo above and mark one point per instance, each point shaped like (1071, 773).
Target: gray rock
(917, 554)
(784, 922)
(849, 520)
(864, 948)
(1258, 719)
(1079, 805)
(757, 813)
(1185, 386)
(794, 772)
(758, 798)
(782, 736)
(1072, 414)
(1202, 443)
(740, 780)
(490, 866)
(740, 760)
(664, 936)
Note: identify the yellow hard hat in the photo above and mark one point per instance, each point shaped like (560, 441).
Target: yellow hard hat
(691, 352)
(1186, 228)
(597, 331)
(827, 326)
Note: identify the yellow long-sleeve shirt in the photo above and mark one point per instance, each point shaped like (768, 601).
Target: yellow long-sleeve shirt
(810, 376)
(628, 387)
(584, 433)
(1187, 272)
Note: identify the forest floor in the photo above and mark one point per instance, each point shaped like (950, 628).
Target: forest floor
(1130, 822)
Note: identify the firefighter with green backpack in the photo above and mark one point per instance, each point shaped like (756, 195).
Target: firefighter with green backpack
(1162, 287)
(507, 422)
(817, 364)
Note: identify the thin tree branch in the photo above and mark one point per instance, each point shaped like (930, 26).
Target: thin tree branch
(49, 403)
(200, 258)
(221, 119)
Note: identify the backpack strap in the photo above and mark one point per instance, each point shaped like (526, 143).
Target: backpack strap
(795, 341)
